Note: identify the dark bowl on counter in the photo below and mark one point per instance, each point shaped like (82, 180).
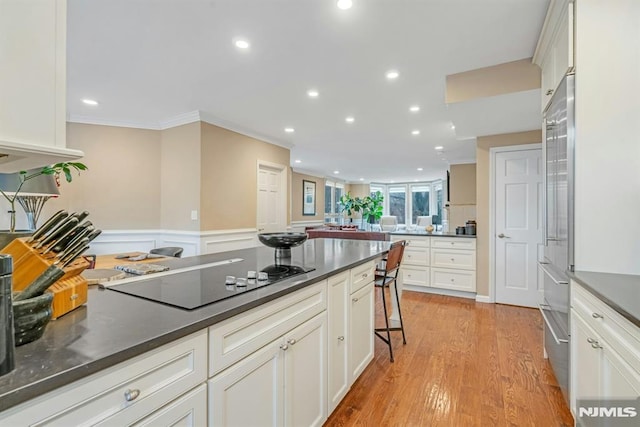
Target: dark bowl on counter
(282, 240)
(31, 317)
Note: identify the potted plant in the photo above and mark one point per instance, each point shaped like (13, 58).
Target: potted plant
(372, 207)
(349, 204)
(23, 176)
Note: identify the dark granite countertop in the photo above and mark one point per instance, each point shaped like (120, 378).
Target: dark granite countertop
(114, 327)
(619, 291)
(433, 234)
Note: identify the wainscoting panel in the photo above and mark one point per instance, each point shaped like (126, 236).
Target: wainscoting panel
(299, 226)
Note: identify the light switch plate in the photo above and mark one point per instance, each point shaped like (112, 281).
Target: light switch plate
(194, 215)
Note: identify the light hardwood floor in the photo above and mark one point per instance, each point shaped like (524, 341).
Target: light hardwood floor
(465, 364)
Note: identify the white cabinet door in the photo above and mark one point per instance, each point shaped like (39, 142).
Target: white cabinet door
(338, 338)
(305, 373)
(585, 363)
(361, 331)
(250, 392)
(618, 380)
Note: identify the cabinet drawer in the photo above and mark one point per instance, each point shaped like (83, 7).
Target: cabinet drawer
(361, 275)
(453, 279)
(453, 259)
(453, 242)
(415, 276)
(157, 377)
(239, 336)
(618, 332)
(415, 242)
(416, 256)
(189, 410)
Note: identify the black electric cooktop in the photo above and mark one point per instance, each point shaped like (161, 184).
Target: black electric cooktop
(198, 287)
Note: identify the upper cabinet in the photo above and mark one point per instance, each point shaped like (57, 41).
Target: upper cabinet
(33, 84)
(554, 53)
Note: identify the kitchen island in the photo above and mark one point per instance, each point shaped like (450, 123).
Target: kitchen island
(114, 329)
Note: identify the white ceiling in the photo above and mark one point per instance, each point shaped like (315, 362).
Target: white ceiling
(147, 62)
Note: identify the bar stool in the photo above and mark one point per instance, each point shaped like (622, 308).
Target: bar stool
(384, 277)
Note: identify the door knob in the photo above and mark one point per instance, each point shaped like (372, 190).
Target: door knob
(502, 236)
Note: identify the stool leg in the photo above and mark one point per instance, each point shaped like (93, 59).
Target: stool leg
(395, 287)
(386, 322)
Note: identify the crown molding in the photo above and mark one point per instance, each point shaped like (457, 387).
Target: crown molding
(226, 124)
(179, 120)
(89, 120)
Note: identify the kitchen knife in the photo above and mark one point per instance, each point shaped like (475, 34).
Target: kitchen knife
(53, 230)
(83, 233)
(81, 216)
(73, 256)
(62, 256)
(52, 237)
(48, 225)
(41, 283)
(94, 234)
(63, 242)
(65, 237)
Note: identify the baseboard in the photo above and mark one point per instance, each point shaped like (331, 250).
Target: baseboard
(484, 299)
(437, 291)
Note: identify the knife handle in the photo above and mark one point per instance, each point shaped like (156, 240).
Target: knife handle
(58, 216)
(70, 237)
(59, 232)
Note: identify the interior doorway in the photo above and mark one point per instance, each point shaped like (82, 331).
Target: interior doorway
(272, 201)
(517, 226)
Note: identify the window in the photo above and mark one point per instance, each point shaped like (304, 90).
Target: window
(425, 199)
(397, 202)
(332, 193)
(419, 202)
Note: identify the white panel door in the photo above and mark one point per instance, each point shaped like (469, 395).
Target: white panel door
(305, 373)
(518, 226)
(338, 363)
(271, 208)
(251, 392)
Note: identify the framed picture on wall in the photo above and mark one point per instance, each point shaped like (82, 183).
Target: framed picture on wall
(308, 197)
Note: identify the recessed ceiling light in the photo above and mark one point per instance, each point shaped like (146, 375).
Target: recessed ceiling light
(242, 44)
(313, 93)
(439, 147)
(361, 179)
(415, 180)
(289, 130)
(453, 127)
(349, 119)
(414, 108)
(90, 102)
(420, 169)
(298, 161)
(392, 74)
(415, 132)
(344, 4)
(336, 172)
(392, 181)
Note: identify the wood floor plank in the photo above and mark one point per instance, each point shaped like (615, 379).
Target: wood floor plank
(464, 364)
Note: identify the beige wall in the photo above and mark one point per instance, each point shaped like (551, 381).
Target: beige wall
(229, 177)
(498, 79)
(462, 189)
(180, 163)
(359, 190)
(121, 189)
(296, 197)
(482, 196)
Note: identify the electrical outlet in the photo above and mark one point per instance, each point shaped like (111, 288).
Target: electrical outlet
(194, 215)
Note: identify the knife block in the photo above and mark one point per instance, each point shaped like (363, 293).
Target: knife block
(69, 292)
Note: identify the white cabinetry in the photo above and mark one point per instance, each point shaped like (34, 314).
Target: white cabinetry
(415, 261)
(125, 393)
(554, 53)
(453, 263)
(605, 351)
(361, 331)
(274, 356)
(338, 309)
(284, 382)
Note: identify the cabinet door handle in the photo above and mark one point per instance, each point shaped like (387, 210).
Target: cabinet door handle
(341, 338)
(596, 345)
(591, 340)
(597, 316)
(453, 260)
(131, 395)
(365, 275)
(284, 347)
(292, 341)
(549, 92)
(355, 300)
